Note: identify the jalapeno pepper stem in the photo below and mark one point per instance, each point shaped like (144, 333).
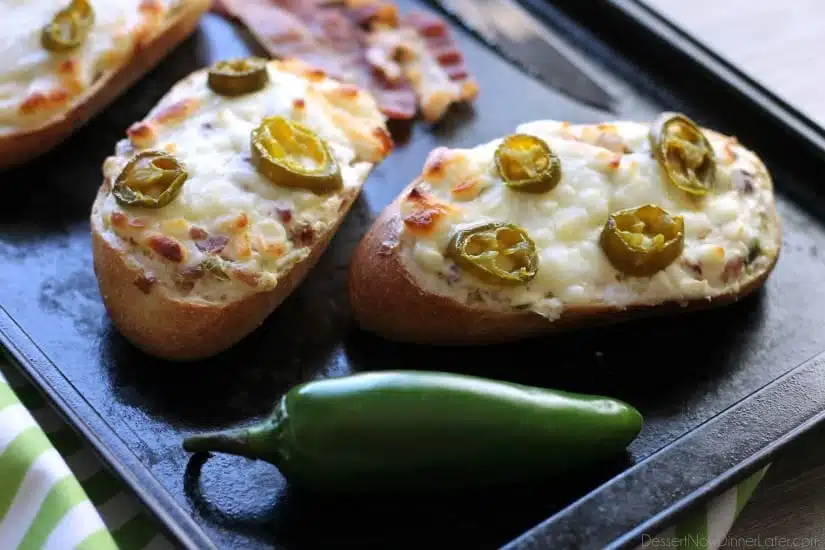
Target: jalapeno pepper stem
(234, 442)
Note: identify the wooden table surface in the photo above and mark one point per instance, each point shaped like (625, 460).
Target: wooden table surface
(781, 45)
(778, 43)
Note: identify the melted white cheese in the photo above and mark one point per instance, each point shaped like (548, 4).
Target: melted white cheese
(27, 68)
(213, 142)
(566, 222)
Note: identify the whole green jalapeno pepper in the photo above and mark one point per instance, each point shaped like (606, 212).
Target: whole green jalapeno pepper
(414, 430)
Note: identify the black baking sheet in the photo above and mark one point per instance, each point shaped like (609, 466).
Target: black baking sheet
(695, 378)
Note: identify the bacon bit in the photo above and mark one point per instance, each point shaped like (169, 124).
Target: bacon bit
(284, 214)
(733, 269)
(38, 101)
(151, 7)
(177, 111)
(197, 233)
(427, 24)
(459, 72)
(385, 138)
(299, 103)
(212, 245)
(449, 57)
(250, 279)
(435, 164)
(167, 247)
(614, 163)
(306, 235)
(118, 219)
(696, 268)
(743, 181)
(467, 189)
(141, 134)
(144, 283)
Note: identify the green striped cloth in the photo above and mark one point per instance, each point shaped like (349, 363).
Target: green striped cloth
(55, 494)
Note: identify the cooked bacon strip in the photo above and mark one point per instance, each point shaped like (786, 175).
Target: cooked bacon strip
(326, 36)
(422, 51)
(406, 63)
(442, 47)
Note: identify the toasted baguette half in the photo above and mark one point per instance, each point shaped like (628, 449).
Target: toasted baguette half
(404, 287)
(62, 92)
(264, 237)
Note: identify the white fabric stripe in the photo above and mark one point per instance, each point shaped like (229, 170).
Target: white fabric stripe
(159, 543)
(44, 473)
(720, 515)
(80, 522)
(48, 420)
(83, 464)
(14, 419)
(118, 510)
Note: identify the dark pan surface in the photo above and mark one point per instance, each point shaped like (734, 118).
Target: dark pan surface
(679, 372)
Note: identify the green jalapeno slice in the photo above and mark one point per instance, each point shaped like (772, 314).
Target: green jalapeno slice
(288, 153)
(684, 153)
(527, 164)
(151, 180)
(235, 77)
(497, 253)
(214, 266)
(644, 240)
(69, 27)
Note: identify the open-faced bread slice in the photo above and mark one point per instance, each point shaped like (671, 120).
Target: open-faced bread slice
(192, 277)
(45, 95)
(419, 276)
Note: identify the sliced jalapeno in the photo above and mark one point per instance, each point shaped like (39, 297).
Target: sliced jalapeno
(151, 180)
(644, 240)
(234, 77)
(290, 154)
(214, 266)
(498, 253)
(684, 153)
(69, 27)
(527, 164)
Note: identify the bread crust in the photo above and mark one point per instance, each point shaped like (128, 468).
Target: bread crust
(22, 146)
(185, 329)
(380, 286)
